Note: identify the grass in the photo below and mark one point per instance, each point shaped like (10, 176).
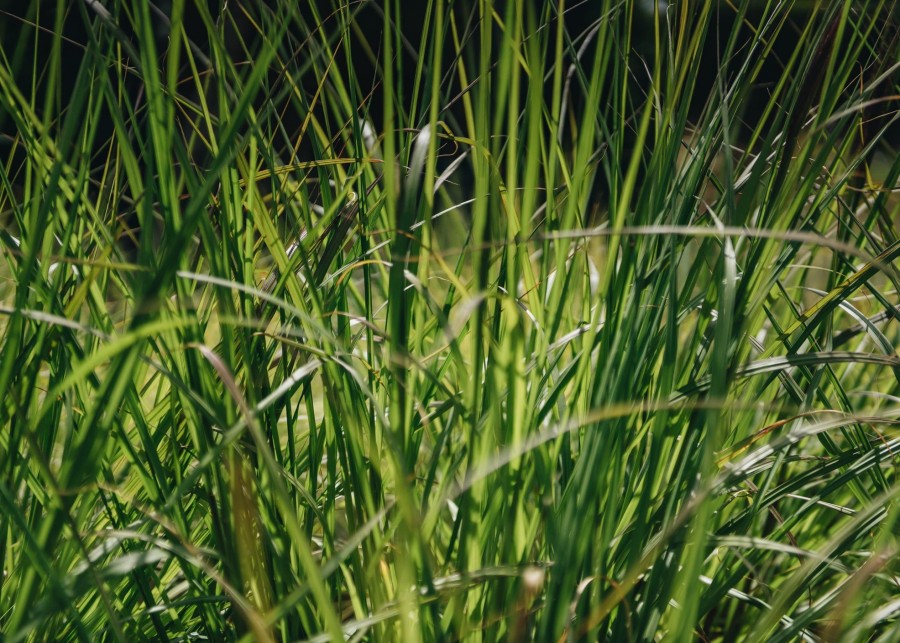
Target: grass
(319, 325)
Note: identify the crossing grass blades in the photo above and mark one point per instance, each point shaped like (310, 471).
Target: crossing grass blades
(352, 321)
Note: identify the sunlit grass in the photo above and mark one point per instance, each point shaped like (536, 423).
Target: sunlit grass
(488, 330)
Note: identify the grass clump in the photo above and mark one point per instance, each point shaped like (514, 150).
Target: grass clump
(464, 321)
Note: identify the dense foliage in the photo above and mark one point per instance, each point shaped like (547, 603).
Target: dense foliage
(449, 320)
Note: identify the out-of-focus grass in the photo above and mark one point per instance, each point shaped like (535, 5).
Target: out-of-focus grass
(558, 356)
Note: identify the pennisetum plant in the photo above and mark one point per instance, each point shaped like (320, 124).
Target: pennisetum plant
(450, 320)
